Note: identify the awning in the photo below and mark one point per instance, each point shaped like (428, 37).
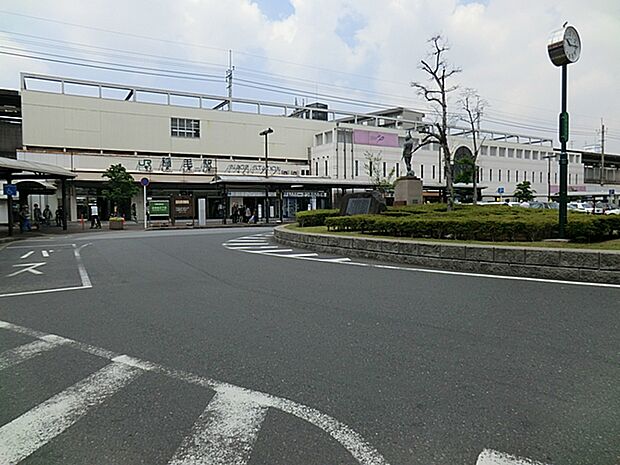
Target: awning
(9, 167)
(284, 180)
(29, 186)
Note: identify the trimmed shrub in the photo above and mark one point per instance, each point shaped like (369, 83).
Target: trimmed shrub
(314, 217)
(483, 224)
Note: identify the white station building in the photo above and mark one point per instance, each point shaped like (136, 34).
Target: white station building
(203, 153)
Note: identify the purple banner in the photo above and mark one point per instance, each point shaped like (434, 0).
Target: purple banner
(381, 139)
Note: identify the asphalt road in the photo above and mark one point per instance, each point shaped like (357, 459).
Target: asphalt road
(240, 353)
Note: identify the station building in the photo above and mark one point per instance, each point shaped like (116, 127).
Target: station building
(205, 153)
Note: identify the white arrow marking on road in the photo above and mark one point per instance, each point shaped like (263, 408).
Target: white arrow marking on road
(492, 457)
(225, 432)
(27, 433)
(45, 253)
(27, 254)
(30, 267)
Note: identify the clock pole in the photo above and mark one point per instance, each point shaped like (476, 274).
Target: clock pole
(563, 156)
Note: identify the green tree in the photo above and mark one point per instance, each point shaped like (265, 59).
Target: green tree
(374, 169)
(120, 187)
(524, 192)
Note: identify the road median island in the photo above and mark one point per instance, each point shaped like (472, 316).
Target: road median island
(598, 266)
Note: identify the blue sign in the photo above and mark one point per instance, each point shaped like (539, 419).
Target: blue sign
(500, 190)
(612, 191)
(144, 181)
(10, 189)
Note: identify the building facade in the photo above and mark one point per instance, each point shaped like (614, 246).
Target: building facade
(186, 144)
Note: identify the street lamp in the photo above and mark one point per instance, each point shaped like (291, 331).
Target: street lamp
(564, 47)
(266, 133)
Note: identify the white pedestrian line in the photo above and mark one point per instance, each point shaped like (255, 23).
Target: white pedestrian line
(235, 410)
(269, 251)
(225, 432)
(253, 247)
(38, 246)
(28, 267)
(82, 270)
(27, 433)
(299, 255)
(27, 254)
(20, 354)
(492, 457)
(45, 253)
(45, 291)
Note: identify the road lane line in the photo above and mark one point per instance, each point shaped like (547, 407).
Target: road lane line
(45, 291)
(301, 255)
(27, 254)
(20, 354)
(252, 247)
(493, 457)
(270, 251)
(35, 428)
(38, 246)
(83, 274)
(225, 432)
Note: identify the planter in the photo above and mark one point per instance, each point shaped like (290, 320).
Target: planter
(117, 224)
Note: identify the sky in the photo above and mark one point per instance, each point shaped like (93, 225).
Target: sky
(358, 55)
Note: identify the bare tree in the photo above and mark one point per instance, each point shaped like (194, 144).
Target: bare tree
(473, 106)
(436, 94)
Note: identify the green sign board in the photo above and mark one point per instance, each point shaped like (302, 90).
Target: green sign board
(159, 208)
(564, 127)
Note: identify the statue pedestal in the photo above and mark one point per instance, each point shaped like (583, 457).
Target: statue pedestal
(408, 191)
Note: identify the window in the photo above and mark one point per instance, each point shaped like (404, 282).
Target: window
(516, 175)
(370, 167)
(318, 139)
(500, 175)
(397, 170)
(433, 171)
(527, 154)
(384, 169)
(326, 169)
(329, 137)
(484, 150)
(508, 171)
(357, 166)
(533, 176)
(480, 174)
(422, 171)
(181, 127)
(540, 177)
(502, 152)
(555, 178)
(490, 174)
(511, 153)
(519, 153)
(316, 167)
(534, 155)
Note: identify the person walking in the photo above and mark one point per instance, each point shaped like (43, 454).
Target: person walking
(58, 216)
(24, 219)
(47, 216)
(95, 223)
(38, 216)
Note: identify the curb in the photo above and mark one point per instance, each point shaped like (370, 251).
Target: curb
(531, 262)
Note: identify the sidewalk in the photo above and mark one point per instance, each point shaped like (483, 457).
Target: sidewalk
(76, 227)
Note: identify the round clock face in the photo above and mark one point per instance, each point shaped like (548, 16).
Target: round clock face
(572, 44)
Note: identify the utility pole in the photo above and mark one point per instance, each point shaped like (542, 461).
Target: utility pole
(229, 79)
(602, 152)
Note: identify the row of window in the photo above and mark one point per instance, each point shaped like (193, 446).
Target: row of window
(507, 175)
(182, 127)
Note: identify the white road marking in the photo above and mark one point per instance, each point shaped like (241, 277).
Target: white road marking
(270, 251)
(28, 267)
(253, 247)
(27, 254)
(27, 433)
(46, 414)
(37, 246)
(83, 274)
(299, 255)
(20, 354)
(492, 457)
(45, 291)
(225, 432)
(45, 253)
(336, 260)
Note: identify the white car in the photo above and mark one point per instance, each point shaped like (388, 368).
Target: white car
(613, 211)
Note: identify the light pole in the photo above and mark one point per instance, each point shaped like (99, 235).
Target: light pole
(564, 47)
(266, 133)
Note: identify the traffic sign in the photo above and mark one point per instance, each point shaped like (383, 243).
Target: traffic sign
(500, 190)
(10, 189)
(612, 191)
(144, 181)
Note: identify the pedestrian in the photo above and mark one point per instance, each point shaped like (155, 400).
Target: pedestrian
(234, 212)
(58, 216)
(248, 214)
(24, 219)
(38, 216)
(95, 223)
(47, 216)
(134, 212)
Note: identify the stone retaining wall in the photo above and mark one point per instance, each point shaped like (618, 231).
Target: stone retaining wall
(561, 264)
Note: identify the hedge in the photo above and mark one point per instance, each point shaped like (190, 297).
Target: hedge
(314, 217)
(580, 227)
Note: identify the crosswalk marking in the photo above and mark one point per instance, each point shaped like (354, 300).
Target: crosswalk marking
(24, 352)
(224, 433)
(492, 457)
(27, 433)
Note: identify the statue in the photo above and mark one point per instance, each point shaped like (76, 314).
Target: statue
(407, 153)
